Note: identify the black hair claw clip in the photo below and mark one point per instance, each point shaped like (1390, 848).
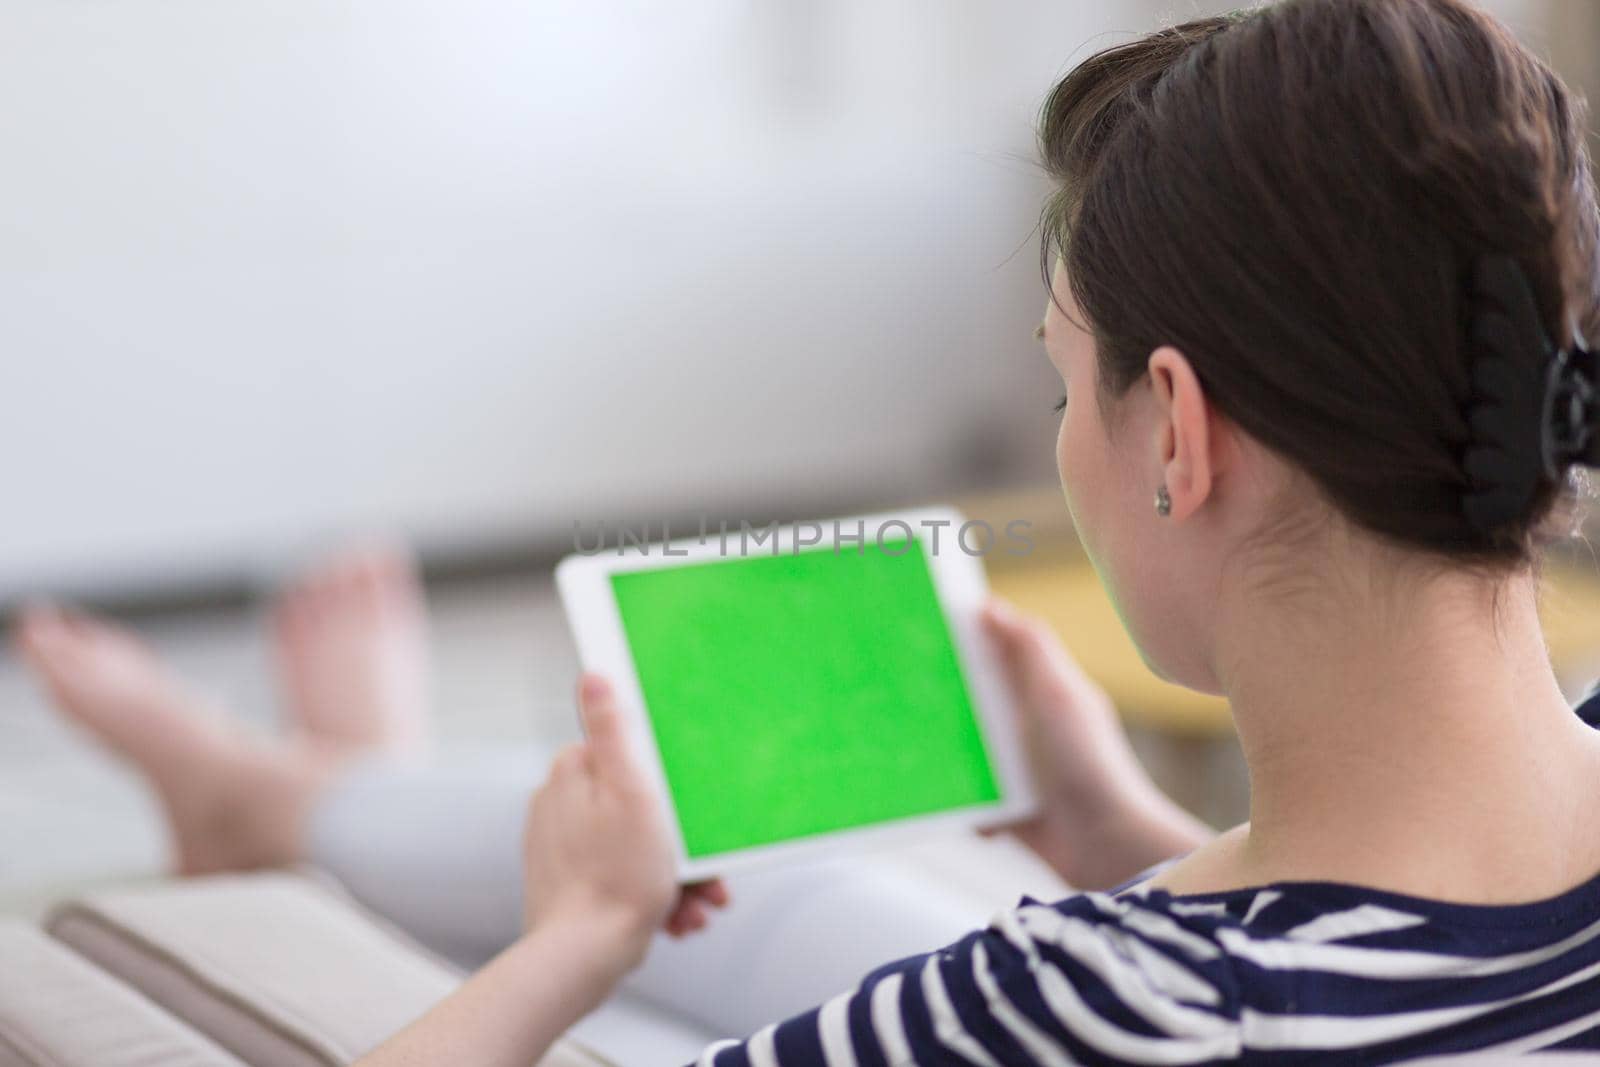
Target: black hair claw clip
(1569, 428)
(1534, 411)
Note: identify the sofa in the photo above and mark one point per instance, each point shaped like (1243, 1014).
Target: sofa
(276, 969)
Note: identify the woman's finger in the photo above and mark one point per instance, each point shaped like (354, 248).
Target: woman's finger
(689, 914)
(1019, 635)
(683, 927)
(1040, 668)
(713, 892)
(1009, 631)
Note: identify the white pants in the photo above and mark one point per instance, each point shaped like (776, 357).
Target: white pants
(437, 851)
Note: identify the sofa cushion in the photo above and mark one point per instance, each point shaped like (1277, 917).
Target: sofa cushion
(57, 1010)
(282, 970)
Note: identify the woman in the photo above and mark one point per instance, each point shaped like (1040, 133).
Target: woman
(1310, 257)
(1315, 263)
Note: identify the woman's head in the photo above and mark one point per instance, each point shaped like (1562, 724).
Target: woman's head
(1268, 224)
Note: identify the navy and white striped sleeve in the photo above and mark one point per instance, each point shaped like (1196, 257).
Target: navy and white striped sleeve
(1094, 978)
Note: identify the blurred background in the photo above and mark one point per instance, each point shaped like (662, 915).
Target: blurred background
(280, 272)
(273, 276)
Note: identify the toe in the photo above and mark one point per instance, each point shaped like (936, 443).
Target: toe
(352, 664)
(58, 641)
(367, 581)
(86, 630)
(384, 569)
(396, 565)
(40, 634)
(323, 586)
(330, 588)
(295, 603)
(288, 622)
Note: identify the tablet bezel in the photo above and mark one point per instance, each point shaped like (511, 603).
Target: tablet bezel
(961, 586)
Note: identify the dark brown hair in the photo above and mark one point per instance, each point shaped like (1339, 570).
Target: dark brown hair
(1296, 198)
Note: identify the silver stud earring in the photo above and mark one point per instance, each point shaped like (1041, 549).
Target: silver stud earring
(1163, 502)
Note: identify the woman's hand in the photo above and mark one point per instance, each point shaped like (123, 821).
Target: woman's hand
(600, 881)
(597, 849)
(1101, 820)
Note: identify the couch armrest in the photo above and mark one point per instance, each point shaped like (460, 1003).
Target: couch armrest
(280, 969)
(57, 1010)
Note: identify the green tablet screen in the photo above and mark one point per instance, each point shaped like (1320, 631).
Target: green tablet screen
(801, 693)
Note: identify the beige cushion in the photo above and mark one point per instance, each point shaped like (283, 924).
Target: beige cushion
(282, 970)
(57, 1010)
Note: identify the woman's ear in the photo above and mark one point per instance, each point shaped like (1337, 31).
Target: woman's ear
(1186, 446)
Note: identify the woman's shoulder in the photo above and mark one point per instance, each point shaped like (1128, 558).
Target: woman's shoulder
(1280, 946)
(1146, 976)
(1093, 976)
(1136, 951)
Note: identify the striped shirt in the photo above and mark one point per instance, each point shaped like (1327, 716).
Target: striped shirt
(1292, 972)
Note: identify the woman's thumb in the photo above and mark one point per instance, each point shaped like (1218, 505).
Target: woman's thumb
(1029, 650)
(1016, 636)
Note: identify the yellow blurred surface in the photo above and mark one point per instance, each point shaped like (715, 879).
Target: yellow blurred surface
(1571, 612)
(1065, 591)
(1069, 596)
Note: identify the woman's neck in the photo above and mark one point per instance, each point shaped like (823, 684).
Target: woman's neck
(1407, 734)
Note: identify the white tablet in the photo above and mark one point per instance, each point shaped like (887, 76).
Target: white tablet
(794, 688)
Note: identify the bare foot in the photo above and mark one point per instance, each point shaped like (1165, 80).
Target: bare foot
(352, 652)
(232, 801)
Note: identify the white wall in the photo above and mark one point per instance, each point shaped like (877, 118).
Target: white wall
(270, 271)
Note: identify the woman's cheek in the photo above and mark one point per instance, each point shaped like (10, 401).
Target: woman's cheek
(1064, 461)
(1070, 464)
